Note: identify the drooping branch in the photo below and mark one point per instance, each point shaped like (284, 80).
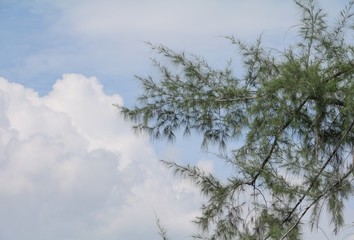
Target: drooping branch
(339, 144)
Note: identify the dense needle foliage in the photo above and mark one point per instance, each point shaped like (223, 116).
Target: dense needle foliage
(293, 110)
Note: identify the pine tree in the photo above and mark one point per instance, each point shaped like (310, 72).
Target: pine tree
(292, 109)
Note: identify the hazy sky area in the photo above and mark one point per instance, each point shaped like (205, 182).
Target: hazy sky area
(70, 167)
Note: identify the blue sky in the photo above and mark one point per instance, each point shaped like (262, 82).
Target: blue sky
(70, 168)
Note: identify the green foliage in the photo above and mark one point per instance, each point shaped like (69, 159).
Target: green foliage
(161, 230)
(294, 111)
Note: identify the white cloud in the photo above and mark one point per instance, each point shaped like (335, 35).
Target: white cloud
(206, 165)
(191, 25)
(70, 168)
(179, 23)
(108, 18)
(104, 38)
(110, 33)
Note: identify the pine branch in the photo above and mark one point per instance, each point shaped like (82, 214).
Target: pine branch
(313, 182)
(275, 141)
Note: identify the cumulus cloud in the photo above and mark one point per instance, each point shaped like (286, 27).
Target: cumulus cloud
(70, 168)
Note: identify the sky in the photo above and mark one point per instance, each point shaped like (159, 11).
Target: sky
(70, 167)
